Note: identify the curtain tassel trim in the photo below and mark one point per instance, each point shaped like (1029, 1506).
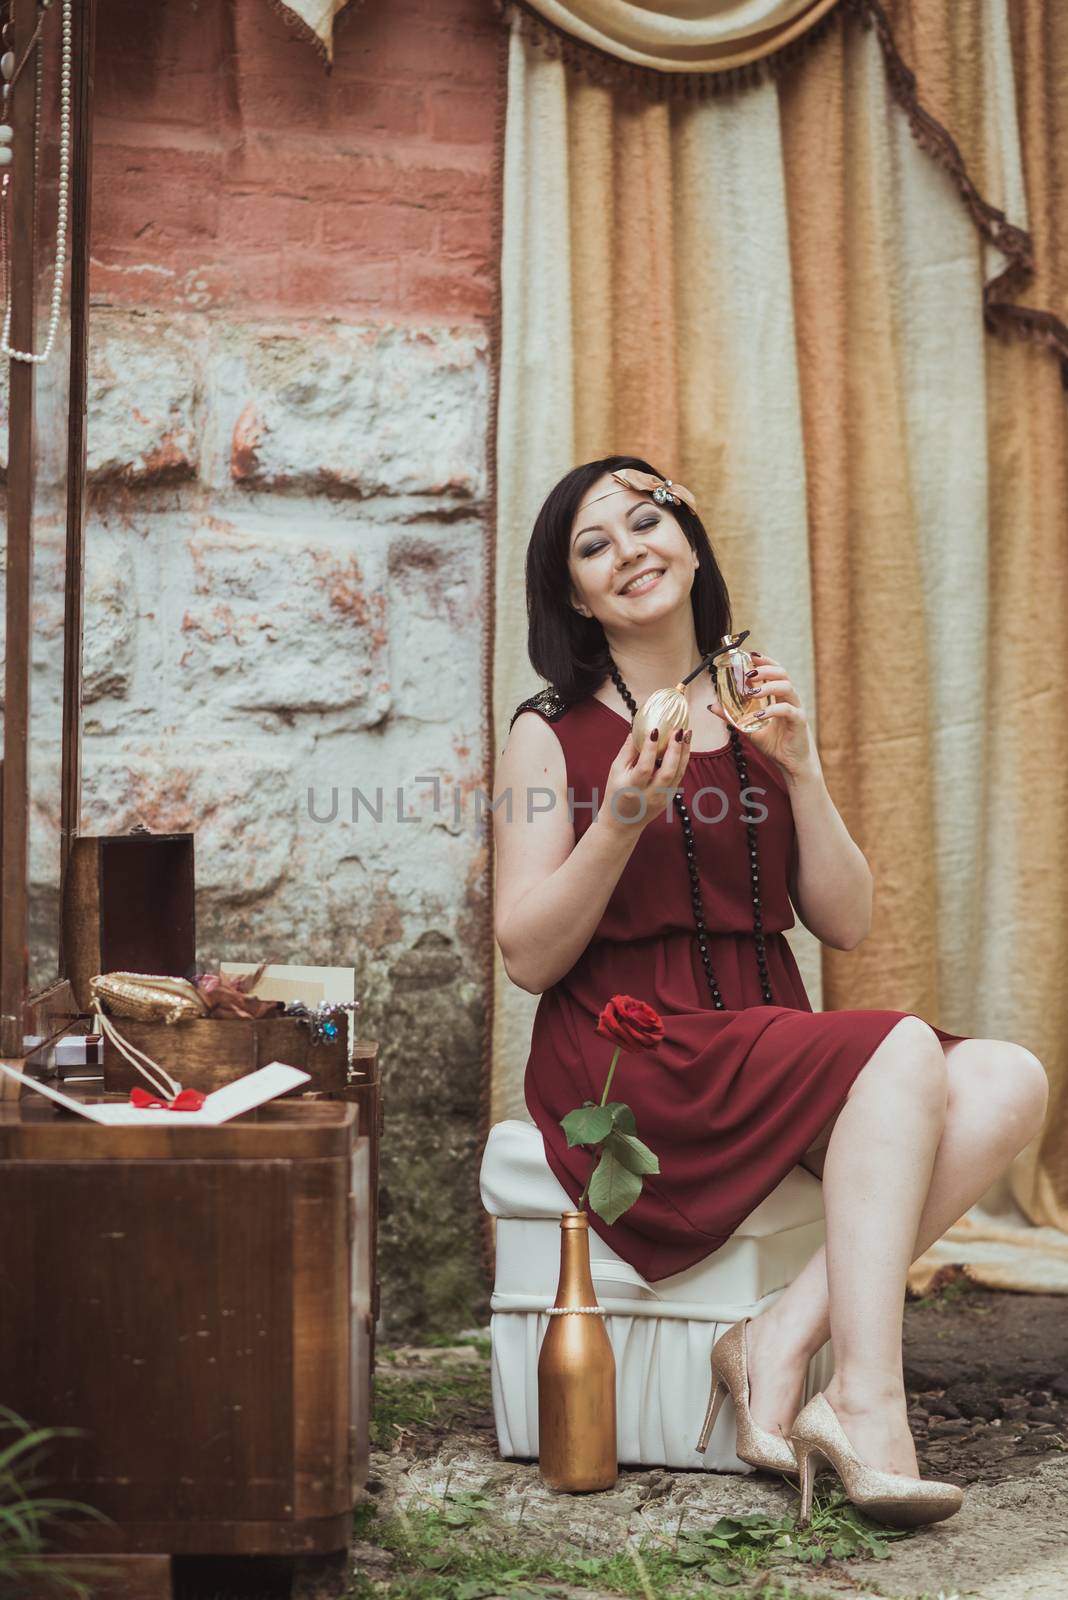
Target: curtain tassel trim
(1000, 314)
(599, 67)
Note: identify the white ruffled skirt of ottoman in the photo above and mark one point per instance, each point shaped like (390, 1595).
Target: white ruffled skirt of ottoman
(661, 1333)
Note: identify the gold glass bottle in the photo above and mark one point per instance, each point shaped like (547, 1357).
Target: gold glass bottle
(739, 705)
(577, 1378)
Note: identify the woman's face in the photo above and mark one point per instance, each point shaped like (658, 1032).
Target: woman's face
(618, 536)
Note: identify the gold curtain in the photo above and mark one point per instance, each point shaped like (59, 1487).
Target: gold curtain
(803, 300)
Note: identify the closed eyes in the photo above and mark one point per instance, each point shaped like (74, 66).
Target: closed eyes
(592, 549)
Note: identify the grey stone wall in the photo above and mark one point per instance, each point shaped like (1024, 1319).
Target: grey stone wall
(284, 600)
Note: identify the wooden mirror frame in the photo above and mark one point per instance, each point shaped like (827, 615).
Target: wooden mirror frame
(49, 1011)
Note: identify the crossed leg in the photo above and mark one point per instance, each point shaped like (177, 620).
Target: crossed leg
(903, 1159)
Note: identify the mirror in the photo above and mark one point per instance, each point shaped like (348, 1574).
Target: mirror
(49, 530)
(44, 200)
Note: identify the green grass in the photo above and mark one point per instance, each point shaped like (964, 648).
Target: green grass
(470, 1341)
(947, 1297)
(459, 1547)
(405, 1403)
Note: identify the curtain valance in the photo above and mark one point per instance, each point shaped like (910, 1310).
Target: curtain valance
(683, 35)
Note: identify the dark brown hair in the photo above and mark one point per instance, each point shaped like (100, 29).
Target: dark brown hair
(568, 650)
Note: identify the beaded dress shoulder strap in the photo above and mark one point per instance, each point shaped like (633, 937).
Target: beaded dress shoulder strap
(546, 701)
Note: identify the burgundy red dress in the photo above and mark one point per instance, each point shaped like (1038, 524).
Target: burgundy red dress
(729, 1100)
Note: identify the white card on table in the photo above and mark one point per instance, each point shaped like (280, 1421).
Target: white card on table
(244, 1094)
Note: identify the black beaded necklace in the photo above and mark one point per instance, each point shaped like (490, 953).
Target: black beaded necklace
(691, 862)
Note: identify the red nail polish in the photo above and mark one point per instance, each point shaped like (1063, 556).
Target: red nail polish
(655, 734)
(678, 736)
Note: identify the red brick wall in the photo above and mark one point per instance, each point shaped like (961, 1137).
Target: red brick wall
(232, 171)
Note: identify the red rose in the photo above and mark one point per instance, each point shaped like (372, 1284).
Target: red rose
(630, 1023)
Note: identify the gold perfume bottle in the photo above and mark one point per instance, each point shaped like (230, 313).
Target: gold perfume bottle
(740, 705)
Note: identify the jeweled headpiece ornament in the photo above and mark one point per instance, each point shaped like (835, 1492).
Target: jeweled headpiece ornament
(663, 490)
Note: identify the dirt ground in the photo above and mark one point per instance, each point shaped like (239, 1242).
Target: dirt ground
(987, 1376)
(988, 1383)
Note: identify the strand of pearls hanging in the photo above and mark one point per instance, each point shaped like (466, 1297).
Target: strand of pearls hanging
(40, 356)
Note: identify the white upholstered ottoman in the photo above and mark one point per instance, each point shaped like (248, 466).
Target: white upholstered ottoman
(661, 1333)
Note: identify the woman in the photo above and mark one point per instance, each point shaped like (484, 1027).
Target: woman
(609, 882)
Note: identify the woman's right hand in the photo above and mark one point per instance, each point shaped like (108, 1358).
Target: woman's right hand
(639, 786)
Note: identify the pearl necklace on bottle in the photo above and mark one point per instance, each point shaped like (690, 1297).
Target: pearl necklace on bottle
(10, 71)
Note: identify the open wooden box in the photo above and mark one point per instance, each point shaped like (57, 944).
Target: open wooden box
(129, 905)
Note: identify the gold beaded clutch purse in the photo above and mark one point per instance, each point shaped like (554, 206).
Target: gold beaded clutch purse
(148, 996)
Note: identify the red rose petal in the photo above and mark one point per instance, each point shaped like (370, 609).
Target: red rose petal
(145, 1101)
(188, 1100)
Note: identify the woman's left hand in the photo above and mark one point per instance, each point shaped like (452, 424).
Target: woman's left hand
(781, 730)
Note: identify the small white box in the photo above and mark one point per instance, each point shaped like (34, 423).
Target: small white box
(80, 1050)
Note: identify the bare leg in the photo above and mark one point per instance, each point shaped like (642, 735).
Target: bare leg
(996, 1101)
(876, 1176)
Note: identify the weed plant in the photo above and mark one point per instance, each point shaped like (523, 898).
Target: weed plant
(27, 1517)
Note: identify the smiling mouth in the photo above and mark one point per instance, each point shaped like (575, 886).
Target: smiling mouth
(645, 581)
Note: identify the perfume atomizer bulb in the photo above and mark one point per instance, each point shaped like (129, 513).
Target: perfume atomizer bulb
(667, 710)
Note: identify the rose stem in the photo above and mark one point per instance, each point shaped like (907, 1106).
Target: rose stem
(604, 1097)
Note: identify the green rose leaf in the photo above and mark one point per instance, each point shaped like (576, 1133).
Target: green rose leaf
(622, 1116)
(612, 1188)
(587, 1125)
(631, 1153)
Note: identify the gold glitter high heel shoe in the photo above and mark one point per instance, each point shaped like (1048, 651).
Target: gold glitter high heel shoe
(818, 1437)
(730, 1372)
